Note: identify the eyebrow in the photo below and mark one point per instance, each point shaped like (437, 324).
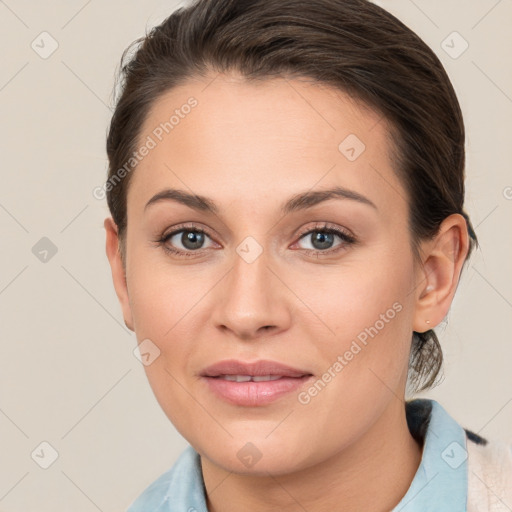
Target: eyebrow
(300, 201)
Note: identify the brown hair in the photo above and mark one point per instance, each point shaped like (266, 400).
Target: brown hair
(352, 45)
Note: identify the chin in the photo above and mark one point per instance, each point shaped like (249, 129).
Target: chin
(257, 458)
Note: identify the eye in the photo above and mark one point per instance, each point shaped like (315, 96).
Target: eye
(323, 237)
(185, 241)
(188, 241)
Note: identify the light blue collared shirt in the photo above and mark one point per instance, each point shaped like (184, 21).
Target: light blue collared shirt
(439, 485)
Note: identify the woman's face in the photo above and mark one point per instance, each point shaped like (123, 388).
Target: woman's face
(256, 286)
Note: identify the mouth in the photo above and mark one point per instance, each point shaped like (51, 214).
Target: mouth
(249, 378)
(253, 384)
(268, 370)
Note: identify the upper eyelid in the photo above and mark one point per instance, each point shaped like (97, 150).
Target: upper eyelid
(327, 226)
(197, 227)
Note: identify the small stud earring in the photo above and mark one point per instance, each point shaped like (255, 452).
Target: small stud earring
(427, 321)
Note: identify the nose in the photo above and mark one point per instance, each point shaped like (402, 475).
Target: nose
(252, 300)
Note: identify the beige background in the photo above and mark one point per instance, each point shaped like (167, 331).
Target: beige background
(67, 369)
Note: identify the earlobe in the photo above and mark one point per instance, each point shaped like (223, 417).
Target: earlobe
(117, 268)
(443, 258)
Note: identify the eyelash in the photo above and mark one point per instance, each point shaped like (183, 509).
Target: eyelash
(347, 240)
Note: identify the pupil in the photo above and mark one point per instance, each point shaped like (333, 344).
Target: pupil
(325, 239)
(192, 239)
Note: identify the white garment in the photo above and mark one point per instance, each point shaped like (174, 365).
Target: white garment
(489, 477)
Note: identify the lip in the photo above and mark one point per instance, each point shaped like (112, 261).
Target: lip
(257, 368)
(252, 394)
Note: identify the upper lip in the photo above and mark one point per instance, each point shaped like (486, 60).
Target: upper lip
(257, 368)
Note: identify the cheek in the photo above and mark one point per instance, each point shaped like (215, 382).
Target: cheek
(366, 313)
(347, 299)
(162, 298)
(163, 312)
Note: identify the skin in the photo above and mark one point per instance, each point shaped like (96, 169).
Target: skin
(249, 148)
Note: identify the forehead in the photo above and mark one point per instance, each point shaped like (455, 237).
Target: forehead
(228, 137)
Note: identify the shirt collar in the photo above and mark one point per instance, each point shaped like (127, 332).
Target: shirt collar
(439, 485)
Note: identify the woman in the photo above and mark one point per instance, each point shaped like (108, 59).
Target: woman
(286, 186)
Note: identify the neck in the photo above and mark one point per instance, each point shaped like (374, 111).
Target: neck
(373, 474)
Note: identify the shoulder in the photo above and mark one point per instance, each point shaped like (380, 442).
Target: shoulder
(489, 474)
(154, 495)
(485, 465)
(180, 483)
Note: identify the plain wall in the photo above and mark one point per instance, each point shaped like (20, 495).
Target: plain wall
(68, 373)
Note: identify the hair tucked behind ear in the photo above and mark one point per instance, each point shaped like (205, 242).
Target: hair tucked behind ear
(353, 45)
(425, 361)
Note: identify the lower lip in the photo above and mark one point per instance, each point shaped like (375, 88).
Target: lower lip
(251, 393)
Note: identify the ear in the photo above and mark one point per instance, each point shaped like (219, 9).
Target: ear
(443, 258)
(118, 273)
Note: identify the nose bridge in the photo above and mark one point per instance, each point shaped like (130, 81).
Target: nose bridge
(252, 296)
